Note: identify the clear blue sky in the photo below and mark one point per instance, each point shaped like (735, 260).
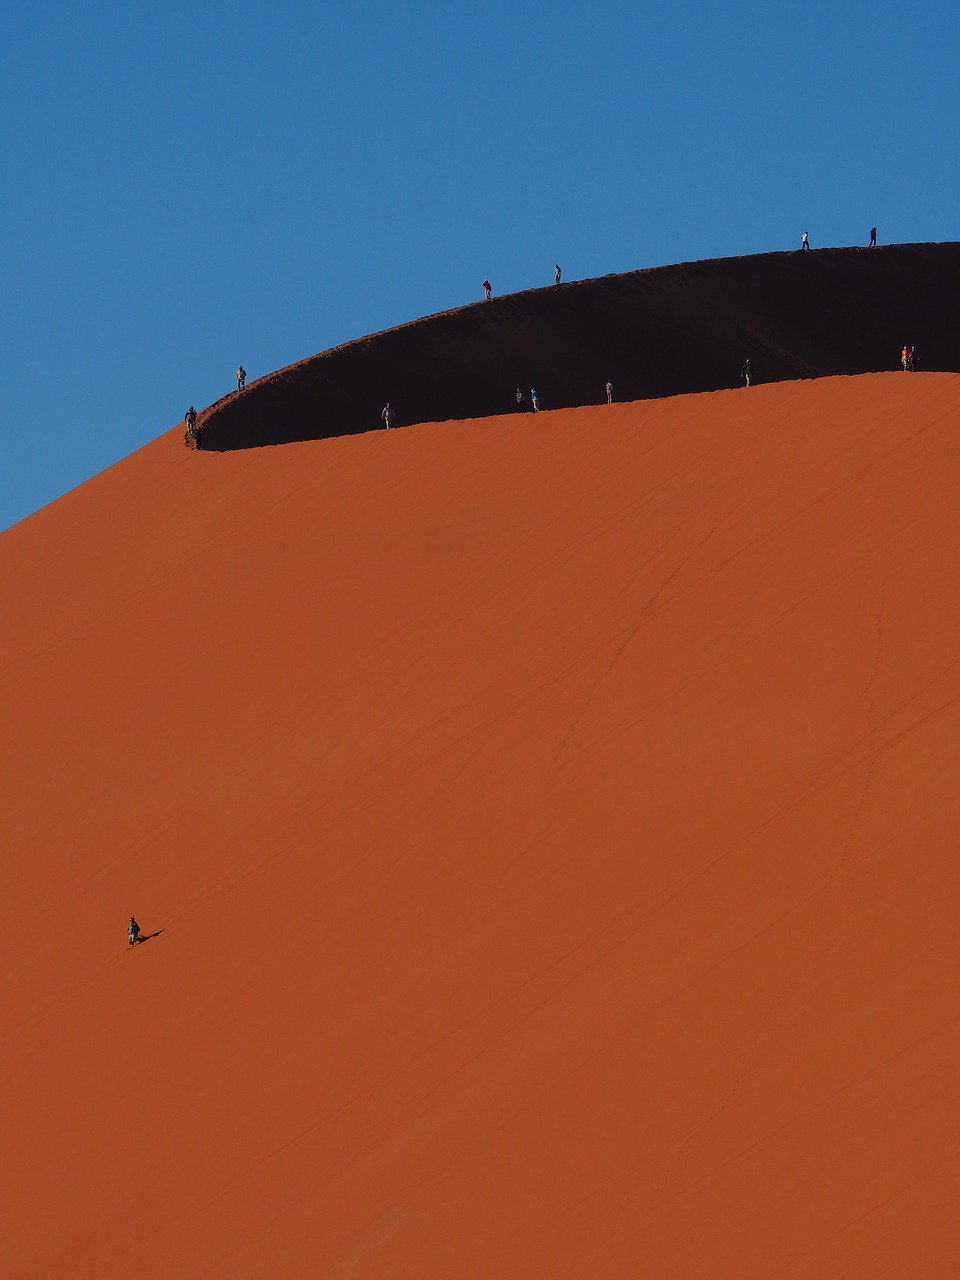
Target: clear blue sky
(192, 185)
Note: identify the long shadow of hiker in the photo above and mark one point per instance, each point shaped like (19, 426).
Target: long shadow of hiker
(147, 936)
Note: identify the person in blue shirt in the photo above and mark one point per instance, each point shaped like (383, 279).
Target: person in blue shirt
(133, 931)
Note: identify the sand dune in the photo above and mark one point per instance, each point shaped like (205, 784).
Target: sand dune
(552, 827)
(659, 332)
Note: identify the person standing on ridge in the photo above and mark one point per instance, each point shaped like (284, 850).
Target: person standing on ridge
(609, 393)
(912, 359)
(487, 290)
(746, 372)
(388, 415)
(873, 238)
(535, 401)
(521, 402)
(133, 931)
(556, 273)
(904, 357)
(190, 418)
(241, 377)
(804, 242)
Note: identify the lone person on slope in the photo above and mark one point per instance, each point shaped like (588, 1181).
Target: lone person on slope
(133, 931)
(241, 377)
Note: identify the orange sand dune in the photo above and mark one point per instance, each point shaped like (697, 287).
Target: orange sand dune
(552, 826)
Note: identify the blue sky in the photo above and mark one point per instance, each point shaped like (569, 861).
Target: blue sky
(189, 186)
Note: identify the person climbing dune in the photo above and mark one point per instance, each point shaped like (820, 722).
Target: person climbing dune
(133, 931)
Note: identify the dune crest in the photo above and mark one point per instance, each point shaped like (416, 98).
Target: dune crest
(659, 332)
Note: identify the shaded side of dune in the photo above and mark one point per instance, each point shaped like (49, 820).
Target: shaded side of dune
(660, 332)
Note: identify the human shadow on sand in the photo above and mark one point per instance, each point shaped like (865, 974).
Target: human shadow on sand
(147, 936)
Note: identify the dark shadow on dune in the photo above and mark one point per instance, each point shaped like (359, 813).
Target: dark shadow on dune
(147, 936)
(660, 332)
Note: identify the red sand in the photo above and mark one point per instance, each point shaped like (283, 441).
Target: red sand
(552, 824)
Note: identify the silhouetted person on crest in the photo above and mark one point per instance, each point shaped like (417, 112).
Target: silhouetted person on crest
(190, 418)
(487, 289)
(556, 273)
(241, 377)
(609, 393)
(521, 401)
(746, 372)
(535, 401)
(873, 238)
(133, 931)
(388, 415)
(804, 242)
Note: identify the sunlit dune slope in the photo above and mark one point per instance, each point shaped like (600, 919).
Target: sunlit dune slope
(663, 331)
(552, 826)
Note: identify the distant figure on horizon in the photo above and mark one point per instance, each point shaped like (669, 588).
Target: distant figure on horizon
(905, 358)
(521, 402)
(535, 401)
(609, 393)
(190, 418)
(912, 360)
(804, 242)
(873, 238)
(746, 372)
(241, 377)
(388, 415)
(133, 931)
(556, 273)
(486, 289)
